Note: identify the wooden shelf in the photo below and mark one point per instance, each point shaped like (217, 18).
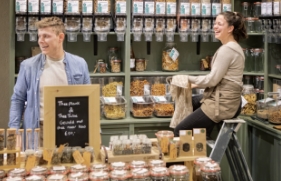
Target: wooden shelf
(161, 73)
(274, 76)
(132, 120)
(107, 74)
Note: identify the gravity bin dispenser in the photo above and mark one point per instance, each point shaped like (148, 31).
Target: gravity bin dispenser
(137, 19)
(171, 20)
(120, 19)
(149, 12)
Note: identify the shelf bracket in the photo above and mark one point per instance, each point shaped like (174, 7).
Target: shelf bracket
(198, 45)
(148, 47)
(95, 44)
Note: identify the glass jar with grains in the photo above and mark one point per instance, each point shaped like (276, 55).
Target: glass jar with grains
(211, 171)
(170, 57)
(197, 165)
(250, 97)
(140, 64)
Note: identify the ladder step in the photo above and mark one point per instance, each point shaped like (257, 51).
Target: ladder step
(211, 143)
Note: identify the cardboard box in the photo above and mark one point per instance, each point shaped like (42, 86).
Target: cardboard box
(128, 158)
(186, 143)
(199, 135)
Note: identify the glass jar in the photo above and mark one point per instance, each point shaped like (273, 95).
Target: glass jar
(158, 87)
(138, 164)
(164, 137)
(59, 170)
(258, 56)
(276, 7)
(99, 176)
(39, 171)
(216, 7)
(257, 9)
(253, 25)
(11, 139)
(90, 149)
(246, 9)
(79, 176)
(35, 178)
(170, 57)
(17, 172)
(57, 177)
(2, 139)
(179, 173)
(140, 64)
(99, 167)
(159, 174)
(119, 166)
(140, 86)
(13, 179)
(197, 165)
(264, 104)
(156, 163)
(66, 155)
(146, 146)
(250, 96)
(248, 63)
(112, 54)
(78, 168)
(127, 146)
(102, 67)
(115, 66)
(142, 106)
(211, 171)
(184, 7)
(140, 174)
(120, 175)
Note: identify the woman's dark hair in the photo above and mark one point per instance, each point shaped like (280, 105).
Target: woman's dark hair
(236, 20)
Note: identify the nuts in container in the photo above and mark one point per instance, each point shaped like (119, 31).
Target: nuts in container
(164, 106)
(115, 66)
(140, 86)
(112, 89)
(114, 107)
(120, 24)
(142, 106)
(158, 87)
(170, 58)
(171, 24)
(164, 138)
(250, 97)
(102, 6)
(160, 24)
(140, 64)
(102, 24)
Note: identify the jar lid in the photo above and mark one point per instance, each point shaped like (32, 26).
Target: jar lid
(140, 173)
(159, 171)
(113, 48)
(258, 50)
(78, 168)
(164, 133)
(257, 90)
(210, 167)
(251, 19)
(257, 3)
(99, 175)
(56, 177)
(138, 164)
(118, 165)
(38, 169)
(16, 171)
(248, 86)
(120, 174)
(200, 160)
(245, 3)
(35, 178)
(116, 61)
(78, 176)
(140, 60)
(58, 168)
(102, 64)
(99, 166)
(157, 163)
(13, 179)
(178, 170)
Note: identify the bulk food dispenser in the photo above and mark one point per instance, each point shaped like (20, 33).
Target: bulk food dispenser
(72, 19)
(32, 29)
(120, 19)
(149, 11)
(137, 19)
(102, 10)
(87, 20)
(160, 12)
(184, 19)
(171, 19)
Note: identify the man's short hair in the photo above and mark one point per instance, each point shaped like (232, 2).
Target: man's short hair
(53, 22)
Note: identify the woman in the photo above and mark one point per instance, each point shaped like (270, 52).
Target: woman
(223, 85)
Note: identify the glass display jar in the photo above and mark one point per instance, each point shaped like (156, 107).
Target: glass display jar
(137, 164)
(112, 55)
(142, 106)
(120, 175)
(35, 178)
(246, 9)
(264, 104)
(39, 171)
(17, 172)
(179, 172)
(115, 66)
(59, 170)
(99, 167)
(99, 176)
(164, 137)
(119, 166)
(164, 106)
(156, 163)
(114, 107)
(258, 56)
(211, 171)
(170, 57)
(117, 148)
(140, 86)
(249, 96)
(159, 174)
(66, 155)
(113, 86)
(140, 174)
(158, 87)
(197, 165)
(79, 176)
(57, 177)
(102, 67)
(248, 62)
(257, 9)
(253, 25)
(140, 64)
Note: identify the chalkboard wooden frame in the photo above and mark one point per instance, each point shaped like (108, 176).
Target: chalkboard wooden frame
(49, 126)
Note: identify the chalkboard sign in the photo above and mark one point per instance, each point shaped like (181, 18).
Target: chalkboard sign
(72, 115)
(72, 121)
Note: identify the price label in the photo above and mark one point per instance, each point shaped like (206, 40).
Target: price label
(244, 102)
(174, 54)
(160, 99)
(137, 99)
(110, 100)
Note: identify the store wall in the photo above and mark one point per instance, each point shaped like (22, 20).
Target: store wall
(7, 39)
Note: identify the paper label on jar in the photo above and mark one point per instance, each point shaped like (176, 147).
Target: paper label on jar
(33, 6)
(149, 8)
(174, 54)
(276, 10)
(45, 6)
(244, 101)
(119, 90)
(137, 99)
(160, 99)
(171, 8)
(73, 7)
(21, 6)
(263, 8)
(195, 9)
(226, 7)
(269, 8)
(146, 89)
(132, 63)
(138, 7)
(184, 8)
(110, 100)
(102, 7)
(121, 7)
(206, 9)
(57, 6)
(216, 9)
(87, 7)
(160, 8)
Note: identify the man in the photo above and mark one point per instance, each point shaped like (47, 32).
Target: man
(52, 67)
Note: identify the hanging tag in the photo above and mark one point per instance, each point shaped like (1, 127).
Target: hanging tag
(47, 155)
(30, 162)
(137, 99)
(244, 102)
(146, 89)
(87, 158)
(110, 100)
(174, 54)
(61, 148)
(78, 157)
(173, 151)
